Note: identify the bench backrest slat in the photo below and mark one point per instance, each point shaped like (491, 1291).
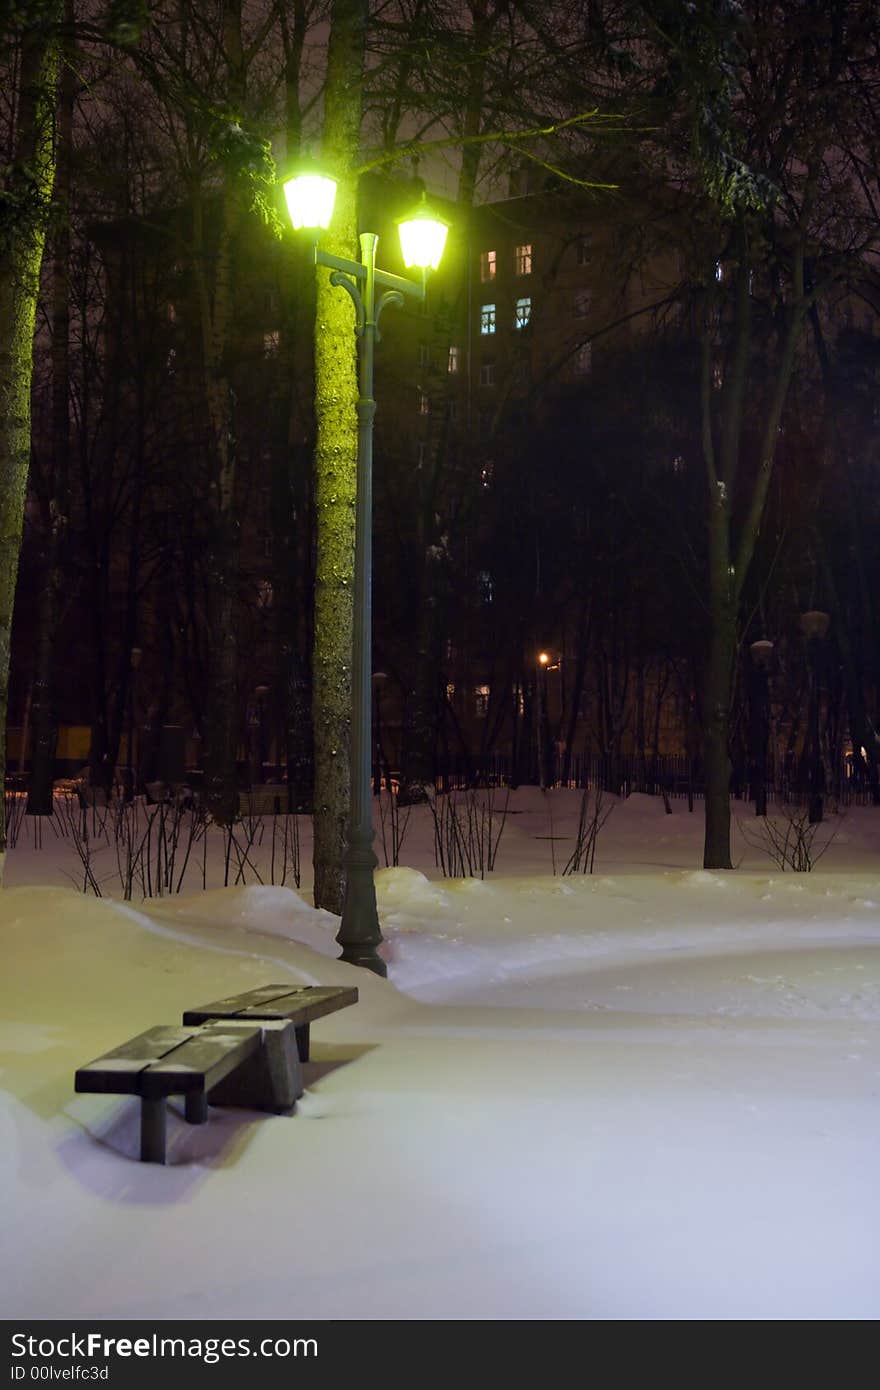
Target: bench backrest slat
(300, 1005)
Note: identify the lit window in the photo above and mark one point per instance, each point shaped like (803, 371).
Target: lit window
(171, 359)
(265, 593)
(583, 359)
(450, 689)
(717, 376)
(583, 249)
(523, 260)
(583, 300)
(453, 360)
(487, 372)
(487, 318)
(481, 701)
(424, 404)
(424, 355)
(719, 271)
(523, 312)
(172, 313)
(486, 474)
(271, 343)
(487, 266)
(485, 587)
(678, 464)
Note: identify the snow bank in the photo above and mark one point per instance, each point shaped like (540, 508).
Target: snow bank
(634, 1095)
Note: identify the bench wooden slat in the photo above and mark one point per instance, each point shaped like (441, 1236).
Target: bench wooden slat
(119, 1071)
(202, 1061)
(300, 1005)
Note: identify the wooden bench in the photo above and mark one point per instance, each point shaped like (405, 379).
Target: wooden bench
(300, 1006)
(249, 1063)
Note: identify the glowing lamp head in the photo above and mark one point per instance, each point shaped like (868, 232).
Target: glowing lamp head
(544, 658)
(422, 238)
(310, 197)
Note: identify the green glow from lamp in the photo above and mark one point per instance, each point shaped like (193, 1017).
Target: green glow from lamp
(422, 238)
(310, 197)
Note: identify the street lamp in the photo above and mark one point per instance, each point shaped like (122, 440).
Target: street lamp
(814, 626)
(762, 654)
(379, 679)
(134, 658)
(310, 195)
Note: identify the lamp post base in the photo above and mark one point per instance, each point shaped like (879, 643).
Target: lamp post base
(366, 957)
(359, 932)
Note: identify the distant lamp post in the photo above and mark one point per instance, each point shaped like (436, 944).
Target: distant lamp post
(256, 735)
(134, 660)
(379, 678)
(814, 626)
(310, 195)
(545, 663)
(762, 654)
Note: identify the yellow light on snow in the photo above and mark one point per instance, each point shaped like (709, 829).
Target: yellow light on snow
(310, 198)
(422, 238)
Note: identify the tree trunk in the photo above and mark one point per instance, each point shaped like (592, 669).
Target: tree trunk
(719, 674)
(29, 183)
(336, 395)
(45, 733)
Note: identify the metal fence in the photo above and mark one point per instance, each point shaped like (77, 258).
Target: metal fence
(673, 776)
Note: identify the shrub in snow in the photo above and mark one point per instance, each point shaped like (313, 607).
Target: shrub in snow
(593, 816)
(789, 838)
(467, 831)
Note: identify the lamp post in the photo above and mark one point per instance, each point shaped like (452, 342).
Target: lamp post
(379, 679)
(761, 653)
(310, 196)
(541, 729)
(814, 626)
(134, 659)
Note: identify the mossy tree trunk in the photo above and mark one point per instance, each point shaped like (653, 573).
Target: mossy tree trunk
(56, 494)
(28, 191)
(336, 395)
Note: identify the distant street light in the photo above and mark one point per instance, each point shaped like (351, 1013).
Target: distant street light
(547, 661)
(379, 678)
(761, 654)
(135, 657)
(814, 626)
(310, 195)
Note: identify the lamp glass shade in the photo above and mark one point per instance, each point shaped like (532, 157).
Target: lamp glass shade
(310, 198)
(761, 651)
(815, 623)
(422, 238)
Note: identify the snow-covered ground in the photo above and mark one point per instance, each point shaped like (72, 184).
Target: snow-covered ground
(653, 1092)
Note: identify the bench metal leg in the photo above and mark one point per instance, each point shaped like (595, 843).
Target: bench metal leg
(302, 1041)
(196, 1107)
(153, 1131)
